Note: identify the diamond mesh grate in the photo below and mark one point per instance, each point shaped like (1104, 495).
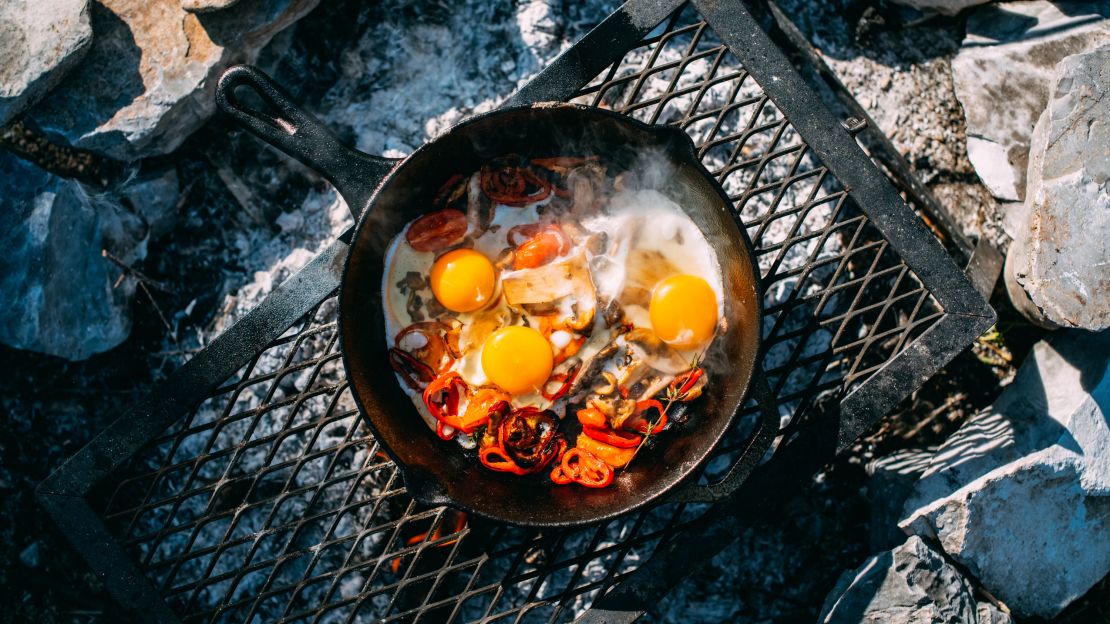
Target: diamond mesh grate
(272, 502)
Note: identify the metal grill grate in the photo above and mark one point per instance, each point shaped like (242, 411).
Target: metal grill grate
(271, 501)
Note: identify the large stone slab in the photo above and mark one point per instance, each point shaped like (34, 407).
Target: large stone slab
(911, 584)
(1058, 269)
(1020, 494)
(40, 40)
(1004, 73)
(149, 79)
(59, 289)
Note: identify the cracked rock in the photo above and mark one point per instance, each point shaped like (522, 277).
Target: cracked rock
(1020, 494)
(61, 288)
(911, 584)
(1004, 73)
(1058, 270)
(40, 41)
(149, 79)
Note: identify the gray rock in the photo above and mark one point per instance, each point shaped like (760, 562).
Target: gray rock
(1020, 494)
(29, 556)
(152, 196)
(1004, 72)
(947, 7)
(204, 6)
(911, 584)
(61, 288)
(1058, 270)
(149, 79)
(40, 40)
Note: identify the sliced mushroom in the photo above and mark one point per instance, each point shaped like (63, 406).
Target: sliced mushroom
(587, 187)
(563, 288)
(646, 346)
(479, 209)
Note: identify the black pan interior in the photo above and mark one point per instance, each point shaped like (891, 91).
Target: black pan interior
(438, 471)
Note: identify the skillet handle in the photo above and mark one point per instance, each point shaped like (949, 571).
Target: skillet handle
(299, 134)
(764, 435)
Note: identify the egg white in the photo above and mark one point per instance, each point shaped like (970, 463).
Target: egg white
(647, 220)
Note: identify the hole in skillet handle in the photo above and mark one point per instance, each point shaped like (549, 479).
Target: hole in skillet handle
(291, 129)
(277, 124)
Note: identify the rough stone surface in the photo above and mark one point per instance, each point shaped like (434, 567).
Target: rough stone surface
(1004, 73)
(40, 40)
(911, 584)
(1058, 270)
(61, 290)
(990, 614)
(204, 6)
(149, 79)
(1020, 494)
(947, 7)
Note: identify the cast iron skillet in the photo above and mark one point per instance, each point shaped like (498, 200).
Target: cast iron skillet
(385, 195)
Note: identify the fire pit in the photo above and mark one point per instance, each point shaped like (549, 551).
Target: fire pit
(247, 487)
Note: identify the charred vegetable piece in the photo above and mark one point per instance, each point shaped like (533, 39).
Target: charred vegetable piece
(528, 436)
(641, 420)
(451, 191)
(416, 374)
(498, 459)
(506, 181)
(437, 230)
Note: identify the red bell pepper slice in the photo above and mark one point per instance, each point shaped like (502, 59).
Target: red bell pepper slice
(619, 439)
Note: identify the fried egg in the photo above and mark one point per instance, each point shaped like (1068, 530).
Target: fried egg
(659, 267)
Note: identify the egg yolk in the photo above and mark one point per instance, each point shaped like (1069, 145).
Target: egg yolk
(683, 311)
(463, 280)
(518, 359)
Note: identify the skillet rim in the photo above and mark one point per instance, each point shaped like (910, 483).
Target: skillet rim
(439, 496)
